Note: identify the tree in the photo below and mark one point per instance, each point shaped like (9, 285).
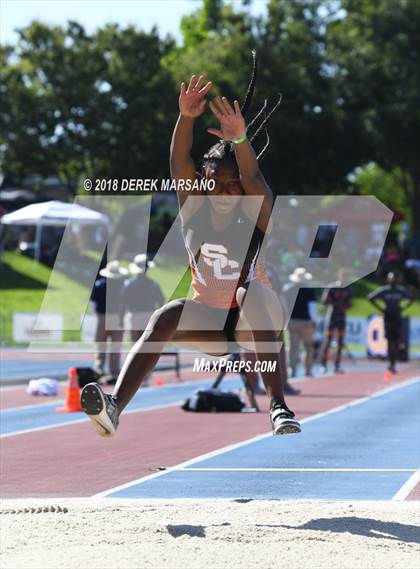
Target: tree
(374, 49)
(391, 187)
(79, 105)
(313, 148)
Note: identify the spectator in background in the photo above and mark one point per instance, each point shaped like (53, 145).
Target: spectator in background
(391, 296)
(109, 324)
(339, 301)
(302, 320)
(140, 296)
(253, 378)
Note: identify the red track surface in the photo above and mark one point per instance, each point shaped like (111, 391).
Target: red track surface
(17, 396)
(72, 460)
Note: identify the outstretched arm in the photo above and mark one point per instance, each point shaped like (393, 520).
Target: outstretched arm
(408, 301)
(372, 297)
(191, 105)
(232, 127)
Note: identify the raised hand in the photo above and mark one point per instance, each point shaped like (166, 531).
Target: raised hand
(232, 123)
(192, 100)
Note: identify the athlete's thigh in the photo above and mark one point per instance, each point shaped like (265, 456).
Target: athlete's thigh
(201, 328)
(267, 313)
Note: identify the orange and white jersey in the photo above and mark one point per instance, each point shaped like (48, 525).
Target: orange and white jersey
(223, 260)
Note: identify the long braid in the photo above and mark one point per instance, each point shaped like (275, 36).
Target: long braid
(251, 87)
(266, 119)
(224, 150)
(257, 116)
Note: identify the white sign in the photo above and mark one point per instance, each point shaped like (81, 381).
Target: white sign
(355, 330)
(415, 334)
(87, 333)
(88, 330)
(49, 326)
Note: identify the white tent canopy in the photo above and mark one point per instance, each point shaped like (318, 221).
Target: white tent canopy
(53, 213)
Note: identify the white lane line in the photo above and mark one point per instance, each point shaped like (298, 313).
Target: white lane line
(197, 384)
(234, 446)
(84, 419)
(240, 469)
(406, 488)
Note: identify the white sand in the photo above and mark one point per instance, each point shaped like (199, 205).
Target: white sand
(207, 534)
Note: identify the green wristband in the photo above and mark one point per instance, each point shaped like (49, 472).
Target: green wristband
(240, 139)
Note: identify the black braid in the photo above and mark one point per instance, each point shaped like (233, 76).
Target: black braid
(251, 87)
(266, 119)
(223, 151)
(257, 116)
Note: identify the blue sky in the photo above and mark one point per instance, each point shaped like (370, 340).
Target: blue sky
(166, 14)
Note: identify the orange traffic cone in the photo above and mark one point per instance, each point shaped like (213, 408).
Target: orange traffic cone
(158, 382)
(387, 375)
(72, 401)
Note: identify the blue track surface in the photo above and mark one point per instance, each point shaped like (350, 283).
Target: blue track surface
(381, 432)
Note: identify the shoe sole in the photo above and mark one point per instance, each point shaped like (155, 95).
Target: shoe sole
(93, 404)
(287, 428)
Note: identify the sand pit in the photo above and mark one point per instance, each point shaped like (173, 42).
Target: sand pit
(128, 534)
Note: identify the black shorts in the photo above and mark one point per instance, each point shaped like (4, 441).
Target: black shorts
(393, 329)
(338, 324)
(229, 328)
(231, 323)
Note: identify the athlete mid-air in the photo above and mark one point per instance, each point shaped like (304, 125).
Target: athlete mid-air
(240, 295)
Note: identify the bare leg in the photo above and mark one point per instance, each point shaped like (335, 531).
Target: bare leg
(252, 376)
(161, 329)
(100, 350)
(340, 344)
(308, 343)
(325, 350)
(392, 352)
(259, 329)
(294, 337)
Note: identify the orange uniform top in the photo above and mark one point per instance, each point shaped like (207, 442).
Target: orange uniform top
(223, 260)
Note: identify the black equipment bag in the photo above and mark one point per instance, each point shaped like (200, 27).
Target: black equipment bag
(86, 375)
(213, 401)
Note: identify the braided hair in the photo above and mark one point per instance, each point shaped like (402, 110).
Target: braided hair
(223, 151)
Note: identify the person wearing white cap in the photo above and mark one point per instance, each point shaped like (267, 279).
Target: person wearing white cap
(140, 296)
(108, 324)
(302, 320)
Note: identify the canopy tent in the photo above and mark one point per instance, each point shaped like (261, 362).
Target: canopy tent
(53, 213)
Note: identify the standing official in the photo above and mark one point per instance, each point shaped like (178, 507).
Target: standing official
(339, 301)
(140, 296)
(302, 320)
(391, 295)
(109, 324)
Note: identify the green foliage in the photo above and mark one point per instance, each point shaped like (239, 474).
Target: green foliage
(83, 105)
(390, 187)
(104, 104)
(374, 48)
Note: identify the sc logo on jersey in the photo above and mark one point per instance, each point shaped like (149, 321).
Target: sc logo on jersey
(215, 256)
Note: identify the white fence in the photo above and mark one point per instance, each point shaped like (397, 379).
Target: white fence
(360, 331)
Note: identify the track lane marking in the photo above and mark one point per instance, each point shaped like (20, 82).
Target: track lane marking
(406, 488)
(252, 469)
(235, 446)
(85, 419)
(200, 384)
